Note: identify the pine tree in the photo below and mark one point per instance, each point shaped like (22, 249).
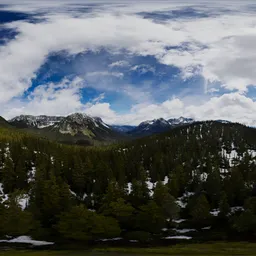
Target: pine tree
(223, 205)
(213, 186)
(166, 201)
(83, 225)
(150, 218)
(201, 210)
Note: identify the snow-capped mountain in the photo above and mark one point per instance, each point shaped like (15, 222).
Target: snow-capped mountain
(158, 126)
(29, 121)
(79, 123)
(180, 120)
(77, 127)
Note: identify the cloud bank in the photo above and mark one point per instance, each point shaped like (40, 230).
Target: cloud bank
(206, 40)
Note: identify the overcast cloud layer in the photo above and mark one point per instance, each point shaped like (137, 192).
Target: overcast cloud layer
(129, 61)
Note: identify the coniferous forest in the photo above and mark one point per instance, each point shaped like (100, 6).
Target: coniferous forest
(196, 182)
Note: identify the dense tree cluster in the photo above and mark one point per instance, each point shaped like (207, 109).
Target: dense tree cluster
(135, 190)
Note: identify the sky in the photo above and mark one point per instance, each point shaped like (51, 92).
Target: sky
(129, 61)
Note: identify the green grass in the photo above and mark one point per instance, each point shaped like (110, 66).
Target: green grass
(214, 249)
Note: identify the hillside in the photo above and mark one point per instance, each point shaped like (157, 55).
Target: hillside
(194, 182)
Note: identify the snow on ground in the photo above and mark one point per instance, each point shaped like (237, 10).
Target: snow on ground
(111, 239)
(182, 201)
(2, 194)
(166, 179)
(179, 220)
(215, 212)
(203, 176)
(31, 174)
(129, 187)
(206, 228)
(133, 241)
(252, 152)
(181, 204)
(26, 240)
(233, 155)
(236, 209)
(72, 193)
(178, 237)
(151, 186)
(185, 230)
(23, 201)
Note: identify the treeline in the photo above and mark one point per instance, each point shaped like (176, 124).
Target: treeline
(135, 190)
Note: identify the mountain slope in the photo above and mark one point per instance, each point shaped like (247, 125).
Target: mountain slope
(29, 121)
(4, 123)
(76, 128)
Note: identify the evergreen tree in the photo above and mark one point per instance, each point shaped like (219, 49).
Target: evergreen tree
(150, 218)
(213, 186)
(223, 205)
(83, 225)
(201, 210)
(166, 201)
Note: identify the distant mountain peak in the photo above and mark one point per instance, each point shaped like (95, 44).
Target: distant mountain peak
(41, 121)
(180, 120)
(159, 125)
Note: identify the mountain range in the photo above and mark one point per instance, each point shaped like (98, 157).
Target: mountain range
(80, 128)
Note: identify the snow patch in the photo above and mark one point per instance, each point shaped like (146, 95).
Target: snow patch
(129, 187)
(203, 176)
(23, 201)
(2, 194)
(110, 239)
(185, 230)
(178, 237)
(32, 174)
(215, 212)
(26, 240)
(182, 201)
(179, 221)
(166, 179)
(236, 209)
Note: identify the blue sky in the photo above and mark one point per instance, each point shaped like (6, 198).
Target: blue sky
(129, 61)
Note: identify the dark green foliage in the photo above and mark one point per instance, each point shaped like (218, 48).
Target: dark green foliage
(83, 225)
(223, 205)
(201, 210)
(245, 223)
(14, 221)
(140, 236)
(122, 185)
(150, 218)
(122, 211)
(166, 201)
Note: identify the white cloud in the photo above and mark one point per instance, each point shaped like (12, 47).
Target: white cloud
(49, 99)
(99, 98)
(233, 107)
(121, 63)
(65, 98)
(221, 48)
(104, 73)
(143, 68)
